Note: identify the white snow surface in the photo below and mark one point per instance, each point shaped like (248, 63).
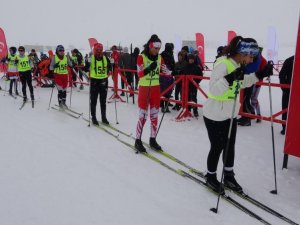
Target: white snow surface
(55, 170)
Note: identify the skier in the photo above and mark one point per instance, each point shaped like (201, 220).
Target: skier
(24, 66)
(12, 70)
(149, 66)
(58, 66)
(99, 68)
(227, 75)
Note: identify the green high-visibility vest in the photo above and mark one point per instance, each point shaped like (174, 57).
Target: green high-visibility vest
(74, 59)
(23, 64)
(152, 78)
(62, 66)
(98, 68)
(230, 93)
(11, 61)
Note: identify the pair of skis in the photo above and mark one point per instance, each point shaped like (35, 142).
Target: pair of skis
(197, 177)
(24, 103)
(67, 111)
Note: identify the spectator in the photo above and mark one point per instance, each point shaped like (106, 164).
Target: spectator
(285, 77)
(166, 81)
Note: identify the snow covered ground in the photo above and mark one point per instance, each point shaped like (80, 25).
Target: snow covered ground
(55, 170)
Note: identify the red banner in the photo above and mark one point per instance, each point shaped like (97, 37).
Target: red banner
(200, 47)
(292, 141)
(92, 41)
(231, 35)
(3, 50)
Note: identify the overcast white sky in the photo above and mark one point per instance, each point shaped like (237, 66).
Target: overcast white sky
(133, 21)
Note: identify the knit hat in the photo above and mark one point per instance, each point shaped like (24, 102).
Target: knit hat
(98, 48)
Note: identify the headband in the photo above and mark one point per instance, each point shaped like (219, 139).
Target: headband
(248, 48)
(155, 45)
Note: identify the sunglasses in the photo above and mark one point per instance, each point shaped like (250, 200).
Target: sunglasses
(21, 50)
(61, 50)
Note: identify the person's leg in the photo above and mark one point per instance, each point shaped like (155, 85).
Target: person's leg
(29, 83)
(285, 104)
(23, 81)
(103, 96)
(93, 100)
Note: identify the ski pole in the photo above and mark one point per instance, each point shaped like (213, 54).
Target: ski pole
(272, 133)
(215, 210)
(116, 112)
(51, 96)
(71, 92)
(90, 103)
(165, 109)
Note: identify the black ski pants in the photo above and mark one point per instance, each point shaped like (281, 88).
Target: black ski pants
(26, 78)
(98, 87)
(218, 136)
(285, 103)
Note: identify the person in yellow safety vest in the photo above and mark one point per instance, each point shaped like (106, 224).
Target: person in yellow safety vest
(59, 66)
(24, 66)
(226, 78)
(150, 65)
(12, 70)
(99, 68)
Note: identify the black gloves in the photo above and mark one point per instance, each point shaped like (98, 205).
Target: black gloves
(151, 67)
(266, 71)
(237, 74)
(56, 65)
(16, 61)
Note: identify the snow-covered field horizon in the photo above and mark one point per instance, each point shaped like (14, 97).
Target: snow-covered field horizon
(55, 170)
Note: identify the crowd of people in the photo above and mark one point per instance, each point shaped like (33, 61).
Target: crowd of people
(238, 66)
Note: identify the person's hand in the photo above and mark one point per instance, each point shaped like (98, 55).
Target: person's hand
(237, 74)
(266, 71)
(56, 65)
(153, 65)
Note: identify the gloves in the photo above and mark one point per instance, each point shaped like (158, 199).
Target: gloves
(237, 74)
(151, 67)
(16, 61)
(265, 72)
(56, 65)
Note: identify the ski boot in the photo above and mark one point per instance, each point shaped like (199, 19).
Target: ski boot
(243, 121)
(231, 183)
(105, 121)
(154, 145)
(139, 146)
(81, 87)
(25, 98)
(95, 121)
(213, 183)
